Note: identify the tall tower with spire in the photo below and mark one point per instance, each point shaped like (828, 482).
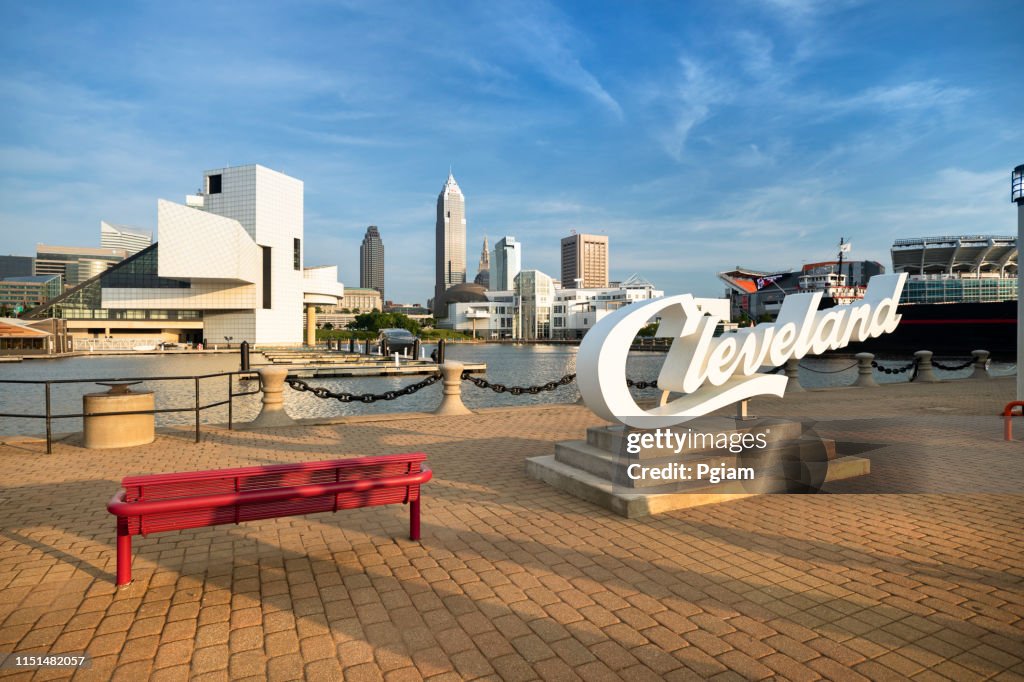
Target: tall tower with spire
(450, 242)
(483, 269)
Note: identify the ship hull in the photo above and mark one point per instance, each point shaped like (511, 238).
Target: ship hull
(950, 329)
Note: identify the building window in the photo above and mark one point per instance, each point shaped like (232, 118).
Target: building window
(297, 253)
(213, 184)
(267, 283)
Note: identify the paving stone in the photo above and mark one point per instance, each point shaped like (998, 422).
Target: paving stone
(522, 581)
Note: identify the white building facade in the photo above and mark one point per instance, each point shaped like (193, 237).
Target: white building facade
(535, 309)
(227, 267)
(131, 239)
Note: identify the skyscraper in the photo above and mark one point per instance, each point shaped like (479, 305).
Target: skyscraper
(585, 258)
(506, 262)
(450, 247)
(483, 268)
(130, 239)
(371, 261)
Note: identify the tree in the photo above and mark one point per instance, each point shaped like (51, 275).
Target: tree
(375, 321)
(328, 326)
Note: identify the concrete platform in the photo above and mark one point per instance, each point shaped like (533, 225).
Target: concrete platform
(597, 468)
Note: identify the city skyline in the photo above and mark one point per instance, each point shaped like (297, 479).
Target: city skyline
(744, 133)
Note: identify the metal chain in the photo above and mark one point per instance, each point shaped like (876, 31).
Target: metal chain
(518, 390)
(895, 370)
(324, 393)
(480, 382)
(952, 368)
(642, 384)
(828, 371)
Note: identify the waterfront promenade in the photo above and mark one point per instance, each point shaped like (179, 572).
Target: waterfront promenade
(516, 580)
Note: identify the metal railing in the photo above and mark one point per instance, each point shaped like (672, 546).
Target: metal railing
(198, 408)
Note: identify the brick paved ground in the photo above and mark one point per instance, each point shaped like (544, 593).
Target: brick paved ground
(516, 580)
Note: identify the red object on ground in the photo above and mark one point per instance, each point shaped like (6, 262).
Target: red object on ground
(1007, 415)
(161, 502)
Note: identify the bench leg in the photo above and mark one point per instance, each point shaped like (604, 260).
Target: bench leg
(124, 553)
(414, 520)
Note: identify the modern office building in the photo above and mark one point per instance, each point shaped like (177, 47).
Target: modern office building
(450, 242)
(227, 266)
(75, 264)
(535, 309)
(131, 239)
(483, 268)
(16, 266)
(585, 261)
(371, 261)
(506, 262)
(19, 294)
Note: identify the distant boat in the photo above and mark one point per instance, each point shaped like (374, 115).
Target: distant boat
(144, 347)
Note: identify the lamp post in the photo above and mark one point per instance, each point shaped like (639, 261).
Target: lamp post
(1017, 197)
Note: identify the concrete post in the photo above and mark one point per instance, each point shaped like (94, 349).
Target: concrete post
(273, 413)
(865, 372)
(925, 371)
(793, 372)
(311, 326)
(451, 400)
(980, 364)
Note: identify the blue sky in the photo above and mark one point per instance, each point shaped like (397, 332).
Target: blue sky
(696, 135)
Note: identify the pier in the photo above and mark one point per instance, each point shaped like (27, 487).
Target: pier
(516, 579)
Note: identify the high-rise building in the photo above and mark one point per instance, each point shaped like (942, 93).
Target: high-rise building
(75, 264)
(506, 262)
(131, 239)
(450, 245)
(483, 269)
(16, 266)
(371, 261)
(585, 261)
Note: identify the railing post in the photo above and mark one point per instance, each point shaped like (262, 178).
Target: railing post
(865, 371)
(451, 395)
(231, 401)
(272, 413)
(793, 372)
(925, 372)
(49, 425)
(980, 365)
(197, 408)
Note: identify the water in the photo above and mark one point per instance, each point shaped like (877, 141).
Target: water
(522, 365)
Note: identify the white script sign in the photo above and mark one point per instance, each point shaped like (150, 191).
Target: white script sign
(714, 372)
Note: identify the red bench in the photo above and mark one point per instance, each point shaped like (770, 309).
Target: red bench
(161, 502)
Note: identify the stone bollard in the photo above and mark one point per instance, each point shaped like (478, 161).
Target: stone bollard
(451, 400)
(865, 372)
(272, 414)
(980, 364)
(793, 372)
(925, 371)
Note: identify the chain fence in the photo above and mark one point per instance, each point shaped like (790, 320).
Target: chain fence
(480, 382)
(325, 393)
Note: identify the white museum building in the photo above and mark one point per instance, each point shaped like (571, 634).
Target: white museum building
(227, 267)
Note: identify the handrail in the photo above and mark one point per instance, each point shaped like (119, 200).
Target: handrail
(1008, 415)
(197, 408)
(119, 507)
